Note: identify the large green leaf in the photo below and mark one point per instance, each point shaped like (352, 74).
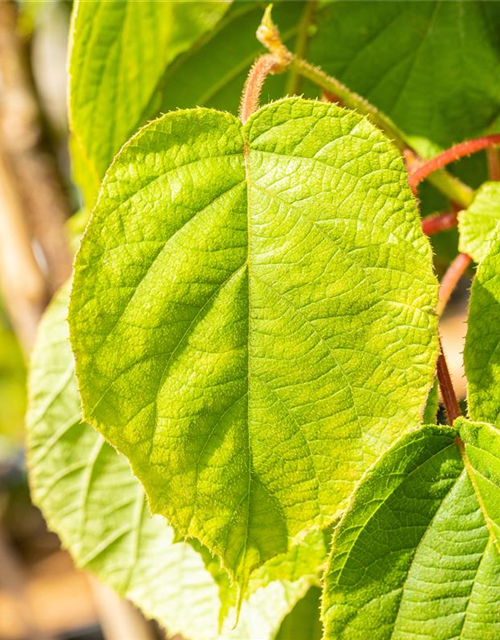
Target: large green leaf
(90, 498)
(252, 328)
(478, 222)
(120, 51)
(428, 65)
(481, 354)
(416, 556)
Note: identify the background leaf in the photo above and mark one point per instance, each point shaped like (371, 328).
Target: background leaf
(99, 510)
(414, 557)
(213, 73)
(119, 54)
(252, 340)
(478, 222)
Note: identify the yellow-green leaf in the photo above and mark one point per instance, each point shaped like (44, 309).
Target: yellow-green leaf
(253, 318)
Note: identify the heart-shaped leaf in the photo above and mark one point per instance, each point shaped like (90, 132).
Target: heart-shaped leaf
(253, 318)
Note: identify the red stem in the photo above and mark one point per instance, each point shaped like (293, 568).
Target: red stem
(450, 280)
(328, 96)
(446, 387)
(493, 164)
(439, 222)
(450, 155)
(448, 284)
(262, 67)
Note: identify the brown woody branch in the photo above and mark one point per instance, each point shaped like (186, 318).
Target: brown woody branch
(28, 151)
(33, 202)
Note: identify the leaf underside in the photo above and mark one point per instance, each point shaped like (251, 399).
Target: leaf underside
(417, 556)
(252, 328)
(99, 510)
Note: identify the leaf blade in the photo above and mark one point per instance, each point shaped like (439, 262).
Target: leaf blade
(410, 557)
(481, 342)
(209, 310)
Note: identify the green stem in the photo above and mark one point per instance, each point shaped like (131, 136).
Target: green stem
(293, 84)
(452, 188)
(349, 99)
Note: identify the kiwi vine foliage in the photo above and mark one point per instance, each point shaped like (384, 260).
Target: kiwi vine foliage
(253, 320)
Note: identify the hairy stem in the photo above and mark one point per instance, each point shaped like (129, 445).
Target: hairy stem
(446, 387)
(451, 155)
(336, 91)
(439, 222)
(450, 280)
(345, 96)
(452, 187)
(263, 66)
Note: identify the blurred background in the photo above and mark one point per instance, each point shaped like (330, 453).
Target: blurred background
(42, 596)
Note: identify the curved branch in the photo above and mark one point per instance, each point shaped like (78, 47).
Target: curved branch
(423, 170)
(450, 280)
(439, 222)
(262, 67)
